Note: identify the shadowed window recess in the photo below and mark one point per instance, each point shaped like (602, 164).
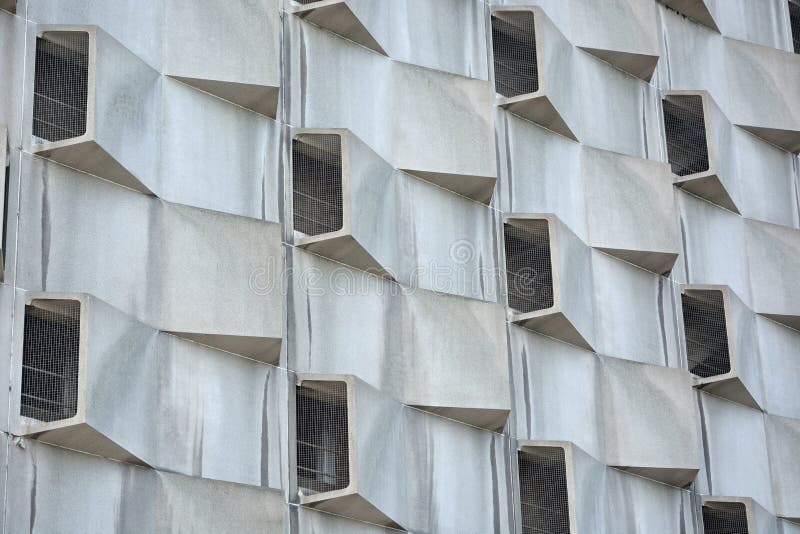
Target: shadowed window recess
(685, 128)
(543, 499)
(61, 85)
(725, 518)
(529, 272)
(706, 333)
(322, 438)
(794, 20)
(514, 51)
(50, 356)
(317, 183)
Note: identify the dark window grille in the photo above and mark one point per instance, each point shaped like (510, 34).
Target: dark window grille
(317, 183)
(514, 50)
(529, 272)
(685, 128)
(725, 518)
(306, 1)
(794, 19)
(61, 85)
(543, 491)
(322, 438)
(50, 354)
(706, 333)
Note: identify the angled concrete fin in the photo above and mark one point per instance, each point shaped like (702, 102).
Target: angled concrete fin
(355, 506)
(89, 156)
(792, 321)
(262, 99)
(788, 140)
(671, 476)
(82, 437)
(554, 324)
(489, 419)
(263, 349)
(694, 9)
(732, 389)
(9, 5)
(640, 65)
(538, 109)
(711, 189)
(345, 249)
(656, 262)
(336, 16)
(480, 188)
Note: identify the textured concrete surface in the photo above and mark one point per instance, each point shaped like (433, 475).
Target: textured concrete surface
(171, 220)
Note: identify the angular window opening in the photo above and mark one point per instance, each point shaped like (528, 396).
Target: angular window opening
(706, 333)
(529, 272)
(725, 518)
(794, 20)
(514, 51)
(323, 462)
(61, 85)
(317, 183)
(543, 491)
(50, 354)
(685, 128)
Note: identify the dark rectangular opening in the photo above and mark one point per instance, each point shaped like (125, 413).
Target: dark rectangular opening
(544, 500)
(317, 183)
(685, 128)
(725, 518)
(706, 332)
(6, 182)
(323, 462)
(794, 20)
(61, 85)
(514, 52)
(50, 356)
(529, 272)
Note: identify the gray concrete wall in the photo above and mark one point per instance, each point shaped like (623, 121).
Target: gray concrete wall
(173, 221)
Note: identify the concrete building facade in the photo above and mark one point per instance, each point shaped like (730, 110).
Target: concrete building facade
(432, 266)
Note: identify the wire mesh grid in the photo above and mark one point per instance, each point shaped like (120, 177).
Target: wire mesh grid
(514, 51)
(706, 333)
(794, 20)
(50, 355)
(529, 272)
(322, 439)
(61, 85)
(725, 518)
(543, 491)
(317, 183)
(685, 128)
(306, 1)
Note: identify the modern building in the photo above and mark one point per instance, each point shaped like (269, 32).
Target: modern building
(431, 266)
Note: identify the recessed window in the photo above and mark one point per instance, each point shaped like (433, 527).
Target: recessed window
(725, 518)
(514, 51)
(529, 273)
(322, 437)
(706, 333)
(685, 128)
(50, 355)
(317, 183)
(543, 499)
(794, 20)
(61, 85)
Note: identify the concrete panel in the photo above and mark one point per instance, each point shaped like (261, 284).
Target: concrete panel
(53, 489)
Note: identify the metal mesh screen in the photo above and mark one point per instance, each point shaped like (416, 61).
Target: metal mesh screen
(706, 333)
(322, 441)
(794, 19)
(543, 491)
(725, 518)
(306, 1)
(514, 51)
(685, 128)
(61, 85)
(529, 273)
(317, 183)
(50, 354)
